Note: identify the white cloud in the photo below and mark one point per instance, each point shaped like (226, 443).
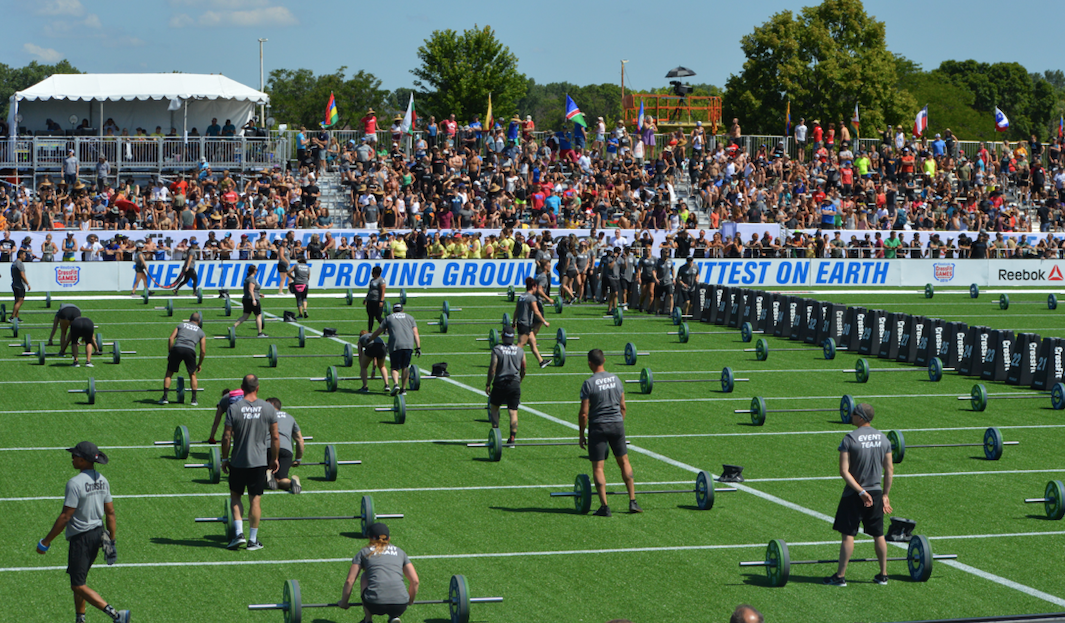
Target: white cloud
(47, 55)
(181, 20)
(271, 16)
(225, 5)
(92, 21)
(61, 7)
(64, 28)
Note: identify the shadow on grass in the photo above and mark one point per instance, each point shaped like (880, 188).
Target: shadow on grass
(451, 443)
(755, 579)
(1043, 517)
(353, 535)
(535, 509)
(211, 540)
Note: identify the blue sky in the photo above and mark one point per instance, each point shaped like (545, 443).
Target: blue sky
(574, 41)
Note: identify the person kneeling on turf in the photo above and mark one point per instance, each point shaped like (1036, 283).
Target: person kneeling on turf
(506, 371)
(381, 587)
(371, 353)
(290, 454)
(182, 349)
(603, 414)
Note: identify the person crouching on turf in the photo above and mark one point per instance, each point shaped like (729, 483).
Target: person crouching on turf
(66, 314)
(371, 353)
(529, 317)
(181, 348)
(290, 454)
(251, 301)
(603, 414)
(300, 275)
(381, 587)
(402, 339)
(228, 397)
(506, 371)
(82, 330)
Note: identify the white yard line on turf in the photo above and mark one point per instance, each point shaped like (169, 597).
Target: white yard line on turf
(568, 552)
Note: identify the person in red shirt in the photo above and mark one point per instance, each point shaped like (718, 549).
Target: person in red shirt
(819, 133)
(907, 164)
(830, 141)
(369, 126)
(538, 198)
(527, 128)
(179, 186)
(846, 178)
(450, 127)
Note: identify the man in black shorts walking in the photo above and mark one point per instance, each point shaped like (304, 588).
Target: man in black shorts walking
(182, 349)
(82, 330)
(687, 285)
(506, 371)
(375, 298)
(403, 339)
(291, 452)
(529, 317)
(603, 414)
(251, 433)
(19, 283)
(86, 505)
(864, 456)
(66, 314)
(648, 269)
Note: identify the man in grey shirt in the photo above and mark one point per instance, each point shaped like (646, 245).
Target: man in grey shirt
(181, 346)
(687, 285)
(864, 457)
(375, 297)
(529, 317)
(290, 454)
(87, 503)
(19, 283)
(70, 170)
(665, 281)
(603, 414)
(403, 338)
(251, 433)
(506, 370)
(370, 213)
(627, 264)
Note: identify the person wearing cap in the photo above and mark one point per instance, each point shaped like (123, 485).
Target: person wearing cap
(251, 302)
(20, 284)
(251, 434)
(529, 317)
(381, 587)
(602, 412)
(375, 298)
(864, 458)
(300, 274)
(87, 504)
(371, 352)
(403, 338)
(290, 453)
(188, 270)
(228, 397)
(506, 371)
(181, 347)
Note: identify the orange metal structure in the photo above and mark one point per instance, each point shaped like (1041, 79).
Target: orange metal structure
(672, 111)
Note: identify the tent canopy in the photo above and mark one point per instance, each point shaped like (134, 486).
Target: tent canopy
(115, 87)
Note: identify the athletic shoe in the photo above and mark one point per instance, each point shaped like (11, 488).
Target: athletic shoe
(395, 390)
(254, 545)
(262, 335)
(545, 363)
(394, 620)
(880, 579)
(123, 616)
(237, 542)
(402, 392)
(271, 481)
(194, 403)
(386, 389)
(305, 315)
(163, 401)
(75, 365)
(89, 365)
(362, 390)
(634, 507)
(296, 486)
(510, 440)
(604, 511)
(835, 580)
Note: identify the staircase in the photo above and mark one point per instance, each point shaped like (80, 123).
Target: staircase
(334, 197)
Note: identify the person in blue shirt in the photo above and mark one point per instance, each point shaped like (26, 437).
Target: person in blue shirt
(580, 136)
(229, 129)
(476, 127)
(939, 147)
(512, 130)
(828, 215)
(611, 148)
(431, 131)
(553, 203)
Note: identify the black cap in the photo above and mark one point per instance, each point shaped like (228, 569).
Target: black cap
(88, 451)
(398, 307)
(377, 530)
(507, 334)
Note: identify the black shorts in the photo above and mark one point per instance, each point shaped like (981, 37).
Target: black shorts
(373, 309)
(392, 611)
(684, 295)
(647, 280)
(284, 461)
(251, 307)
(180, 356)
(852, 510)
(68, 314)
(572, 274)
(301, 296)
(19, 293)
(81, 329)
(375, 351)
(665, 289)
(282, 270)
(611, 284)
(626, 285)
(605, 436)
(251, 478)
(506, 392)
(82, 550)
(524, 329)
(400, 359)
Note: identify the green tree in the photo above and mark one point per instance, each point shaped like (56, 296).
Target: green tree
(547, 103)
(459, 70)
(1027, 99)
(14, 79)
(298, 97)
(823, 60)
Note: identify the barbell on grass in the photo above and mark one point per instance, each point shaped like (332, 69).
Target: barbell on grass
(495, 443)
(332, 378)
(399, 408)
(116, 353)
(862, 370)
(647, 380)
(1004, 301)
(684, 332)
(445, 322)
(582, 492)
(992, 444)
(3, 310)
(618, 315)
(91, 390)
(181, 442)
(169, 307)
(978, 397)
(758, 409)
(214, 461)
(494, 337)
(761, 349)
(347, 356)
(232, 337)
(458, 601)
(213, 467)
(1053, 500)
(366, 517)
(678, 316)
(778, 560)
(558, 354)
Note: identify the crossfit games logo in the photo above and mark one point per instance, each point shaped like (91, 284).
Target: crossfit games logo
(943, 272)
(67, 277)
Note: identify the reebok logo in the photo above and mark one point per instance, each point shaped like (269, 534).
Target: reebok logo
(1055, 274)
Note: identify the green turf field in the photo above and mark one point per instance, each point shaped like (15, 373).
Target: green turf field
(495, 522)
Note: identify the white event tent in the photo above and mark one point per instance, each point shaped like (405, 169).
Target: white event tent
(180, 101)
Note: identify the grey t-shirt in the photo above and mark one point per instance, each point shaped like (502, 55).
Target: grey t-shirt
(250, 286)
(543, 280)
(688, 277)
(370, 212)
(18, 274)
(384, 575)
(508, 360)
(665, 271)
(647, 267)
(604, 392)
(400, 327)
(188, 336)
(628, 266)
(867, 447)
(523, 309)
(301, 274)
(286, 427)
(87, 493)
(374, 293)
(582, 261)
(251, 432)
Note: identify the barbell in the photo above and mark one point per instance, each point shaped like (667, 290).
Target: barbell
(116, 353)
(399, 408)
(332, 378)
(1053, 500)
(758, 409)
(91, 390)
(761, 349)
(647, 380)
(778, 560)
(181, 442)
(992, 444)
(618, 316)
(214, 461)
(458, 601)
(495, 443)
(366, 517)
(862, 370)
(683, 332)
(444, 322)
(301, 335)
(582, 492)
(1004, 301)
(978, 397)
(494, 337)
(169, 307)
(347, 356)
(558, 354)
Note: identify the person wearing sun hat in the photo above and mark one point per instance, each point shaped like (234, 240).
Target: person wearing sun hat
(369, 126)
(87, 504)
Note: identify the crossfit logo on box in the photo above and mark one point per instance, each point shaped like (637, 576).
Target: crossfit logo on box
(943, 272)
(68, 277)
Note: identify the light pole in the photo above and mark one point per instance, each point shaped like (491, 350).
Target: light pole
(262, 85)
(624, 115)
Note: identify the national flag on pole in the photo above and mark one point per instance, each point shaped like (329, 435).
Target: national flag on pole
(1002, 122)
(1061, 126)
(573, 113)
(920, 124)
(639, 118)
(855, 120)
(488, 120)
(331, 115)
(787, 120)
(410, 118)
